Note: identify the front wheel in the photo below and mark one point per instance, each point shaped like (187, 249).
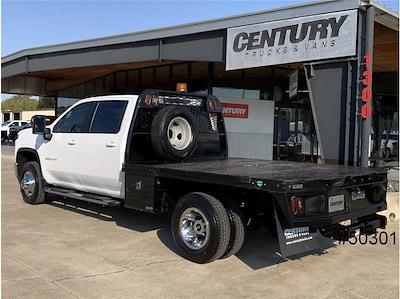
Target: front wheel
(200, 228)
(32, 184)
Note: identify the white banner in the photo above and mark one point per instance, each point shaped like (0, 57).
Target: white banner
(249, 127)
(295, 40)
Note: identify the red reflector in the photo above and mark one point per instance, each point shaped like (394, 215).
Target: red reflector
(296, 205)
(155, 100)
(147, 100)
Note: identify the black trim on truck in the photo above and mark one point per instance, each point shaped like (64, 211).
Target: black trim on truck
(24, 155)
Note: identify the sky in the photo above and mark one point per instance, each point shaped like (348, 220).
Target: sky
(27, 24)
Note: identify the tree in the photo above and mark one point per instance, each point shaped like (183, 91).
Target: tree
(45, 102)
(19, 103)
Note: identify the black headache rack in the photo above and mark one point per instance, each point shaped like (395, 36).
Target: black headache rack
(207, 114)
(155, 98)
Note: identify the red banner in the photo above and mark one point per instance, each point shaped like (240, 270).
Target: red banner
(235, 110)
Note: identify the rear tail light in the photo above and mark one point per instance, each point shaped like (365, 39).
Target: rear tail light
(296, 205)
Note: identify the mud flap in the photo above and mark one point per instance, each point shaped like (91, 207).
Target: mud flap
(299, 240)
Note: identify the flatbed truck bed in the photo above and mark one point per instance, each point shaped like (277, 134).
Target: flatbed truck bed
(277, 181)
(246, 172)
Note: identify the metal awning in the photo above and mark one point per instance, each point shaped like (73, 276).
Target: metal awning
(44, 70)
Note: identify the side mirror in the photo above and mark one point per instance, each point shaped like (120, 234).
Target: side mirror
(38, 124)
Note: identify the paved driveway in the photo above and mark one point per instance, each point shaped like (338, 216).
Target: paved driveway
(69, 249)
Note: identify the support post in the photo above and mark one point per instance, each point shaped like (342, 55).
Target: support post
(210, 77)
(55, 105)
(369, 48)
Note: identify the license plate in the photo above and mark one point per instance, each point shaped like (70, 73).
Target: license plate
(358, 194)
(336, 203)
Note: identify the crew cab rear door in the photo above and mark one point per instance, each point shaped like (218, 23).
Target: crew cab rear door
(103, 149)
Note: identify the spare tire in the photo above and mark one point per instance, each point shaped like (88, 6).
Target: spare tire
(174, 133)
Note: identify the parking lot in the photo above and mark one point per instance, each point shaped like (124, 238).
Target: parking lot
(69, 249)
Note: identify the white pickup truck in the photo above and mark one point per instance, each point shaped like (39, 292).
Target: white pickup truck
(6, 126)
(167, 152)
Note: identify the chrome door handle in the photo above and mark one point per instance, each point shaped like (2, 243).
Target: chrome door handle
(72, 142)
(111, 144)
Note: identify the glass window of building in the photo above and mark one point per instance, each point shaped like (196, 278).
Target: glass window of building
(64, 103)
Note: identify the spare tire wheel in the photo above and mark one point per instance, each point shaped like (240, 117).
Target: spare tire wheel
(174, 133)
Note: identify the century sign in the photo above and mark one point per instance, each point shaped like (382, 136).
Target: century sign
(295, 40)
(234, 110)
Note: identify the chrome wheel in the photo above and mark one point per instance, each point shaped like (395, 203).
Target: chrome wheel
(194, 228)
(28, 183)
(179, 133)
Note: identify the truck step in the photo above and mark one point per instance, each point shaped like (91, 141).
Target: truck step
(89, 197)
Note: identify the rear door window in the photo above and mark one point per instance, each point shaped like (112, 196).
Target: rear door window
(108, 117)
(77, 120)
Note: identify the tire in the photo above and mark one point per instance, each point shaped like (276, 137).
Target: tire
(35, 195)
(236, 221)
(174, 145)
(214, 243)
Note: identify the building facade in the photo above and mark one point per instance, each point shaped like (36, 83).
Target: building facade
(27, 115)
(312, 82)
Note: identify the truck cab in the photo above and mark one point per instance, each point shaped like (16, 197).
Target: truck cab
(87, 145)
